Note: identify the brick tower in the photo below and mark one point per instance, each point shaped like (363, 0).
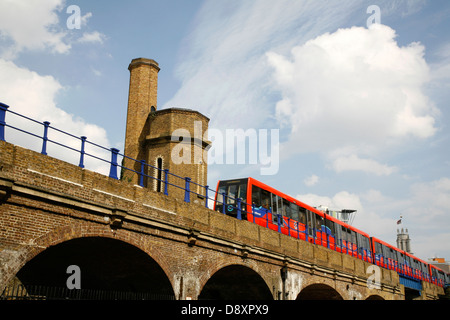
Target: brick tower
(170, 139)
(403, 240)
(142, 97)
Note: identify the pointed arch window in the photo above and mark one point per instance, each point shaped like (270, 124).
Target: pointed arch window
(159, 174)
(160, 168)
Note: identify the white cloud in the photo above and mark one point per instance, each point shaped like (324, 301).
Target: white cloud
(223, 69)
(434, 200)
(35, 26)
(341, 200)
(33, 95)
(355, 163)
(424, 209)
(354, 88)
(32, 25)
(92, 37)
(311, 181)
(85, 18)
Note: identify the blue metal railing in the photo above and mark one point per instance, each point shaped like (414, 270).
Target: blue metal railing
(113, 161)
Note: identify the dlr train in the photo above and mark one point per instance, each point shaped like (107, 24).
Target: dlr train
(252, 200)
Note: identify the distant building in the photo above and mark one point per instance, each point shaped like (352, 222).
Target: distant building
(344, 215)
(440, 263)
(403, 240)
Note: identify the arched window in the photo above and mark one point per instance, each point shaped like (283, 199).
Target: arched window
(159, 175)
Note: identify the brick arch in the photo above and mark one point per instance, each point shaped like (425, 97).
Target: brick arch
(318, 291)
(77, 231)
(375, 297)
(319, 281)
(220, 264)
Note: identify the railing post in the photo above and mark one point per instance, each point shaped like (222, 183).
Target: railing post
(141, 174)
(279, 222)
(166, 181)
(187, 191)
(3, 108)
(289, 226)
(224, 202)
(239, 213)
(206, 196)
(267, 219)
(45, 138)
(113, 168)
(82, 152)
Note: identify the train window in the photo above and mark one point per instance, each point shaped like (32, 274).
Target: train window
(392, 254)
(319, 222)
(353, 236)
(302, 215)
(311, 222)
(274, 207)
(256, 195)
(242, 194)
(338, 233)
(293, 209)
(222, 190)
(265, 199)
(433, 272)
(286, 209)
(378, 248)
(386, 251)
(360, 241)
(401, 257)
(277, 205)
(344, 234)
(424, 268)
(280, 209)
(232, 191)
(330, 225)
(366, 243)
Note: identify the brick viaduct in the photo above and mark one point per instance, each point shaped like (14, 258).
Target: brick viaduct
(54, 214)
(125, 235)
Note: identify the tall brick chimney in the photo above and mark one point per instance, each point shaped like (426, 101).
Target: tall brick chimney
(149, 137)
(141, 98)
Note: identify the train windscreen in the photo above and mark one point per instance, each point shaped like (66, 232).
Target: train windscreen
(231, 190)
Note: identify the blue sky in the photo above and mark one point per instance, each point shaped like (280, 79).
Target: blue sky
(362, 112)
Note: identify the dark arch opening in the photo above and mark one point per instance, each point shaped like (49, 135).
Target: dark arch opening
(319, 292)
(374, 297)
(235, 283)
(106, 266)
